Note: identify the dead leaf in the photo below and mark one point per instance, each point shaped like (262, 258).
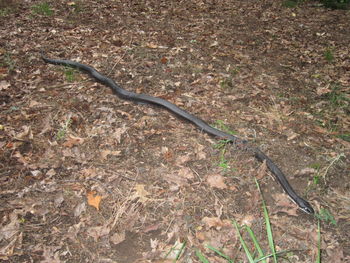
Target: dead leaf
(33, 103)
(307, 171)
(89, 172)
(94, 199)
(79, 209)
(11, 229)
(199, 151)
(186, 172)
(140, 193)
(182, 159)
(20, 158)
(4, 85)
(117, 238)
(216, 180)
(215, 222)
(336, 254)
(119, 132)
(98, 231)
(73, 141)
(163, 60)
(262, 171)
(286, 205)
(323, 90)
(291, 135)
(214, 44)
(105, 153)
(26, 133)
(248, 220)
(151, 45)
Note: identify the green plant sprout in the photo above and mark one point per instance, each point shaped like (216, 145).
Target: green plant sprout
(62, 132)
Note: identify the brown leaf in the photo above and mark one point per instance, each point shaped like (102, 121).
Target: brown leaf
(20, 158)
(182, 159)
(212, 222)
(151, 45)
(323, 90)
(117, 238)
(4, 85)
(163, 60)
(26, 133)
(140, 193)
(286, 205)
(262, 171)
(73, 141)
(186, 172)
(33, 104)
(98, 231)
(216, 180)
(105, 153)
(119, 132)
(94, 199)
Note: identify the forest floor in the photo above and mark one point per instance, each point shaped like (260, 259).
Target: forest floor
(88, 177)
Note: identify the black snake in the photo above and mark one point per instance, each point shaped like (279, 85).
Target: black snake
(128, 95)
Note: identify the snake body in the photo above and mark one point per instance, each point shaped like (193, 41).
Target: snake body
(202, 125)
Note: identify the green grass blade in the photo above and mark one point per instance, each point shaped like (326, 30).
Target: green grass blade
(318, 259)
(201, 257)
(268, 226)
(256, 243)
(180, 251)
(220, 253)
(244, 245)
(271, 255)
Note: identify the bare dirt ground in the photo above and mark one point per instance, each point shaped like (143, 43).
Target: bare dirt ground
(87, 177)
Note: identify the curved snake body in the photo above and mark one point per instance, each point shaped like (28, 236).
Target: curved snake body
(144, 98)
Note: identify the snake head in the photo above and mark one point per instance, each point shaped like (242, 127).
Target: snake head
(305, 206)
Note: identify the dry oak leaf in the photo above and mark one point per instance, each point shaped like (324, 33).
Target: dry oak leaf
(216, 180)
(73, 141)
(215, 222)
(94, 199)
(105, 153)
(140, 193)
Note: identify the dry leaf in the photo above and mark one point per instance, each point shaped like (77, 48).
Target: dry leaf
(262, 170)
(33, 103)
(217, 181)
(25, 133)
(140, 193)
(94, 199)
(216, 222)
(151, 45)
(323, 90)
(72, 141)
(286, 205)
(105, 153)
(119, 132)
(307, 171)
(4, 85)
(117, 238)
(79, 209)
(98, 231)
(182, 159)
(20, 158)
(186, 172)
(212, 222)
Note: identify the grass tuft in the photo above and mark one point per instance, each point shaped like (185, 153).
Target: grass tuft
(43, 9)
